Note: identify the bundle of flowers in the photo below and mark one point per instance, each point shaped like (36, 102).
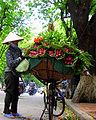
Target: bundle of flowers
(64, 54)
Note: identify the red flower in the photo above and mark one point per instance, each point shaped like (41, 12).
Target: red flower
(69, 60)
(51, 53)
(67, 49)
(32, 53)
(38, 40)
(59, 53)
(45, 44)
(35, 45)
(41, 51)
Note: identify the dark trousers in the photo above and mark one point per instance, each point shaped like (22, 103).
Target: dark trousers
(11, 102)
(12, 93)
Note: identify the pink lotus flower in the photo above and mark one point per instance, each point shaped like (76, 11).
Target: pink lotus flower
(36, 45)
(69, 60)
(51, 53)
(32, 53)
(59, 53)
(41, 51)
(67, 49)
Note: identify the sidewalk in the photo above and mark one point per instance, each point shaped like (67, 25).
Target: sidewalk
(86, 111)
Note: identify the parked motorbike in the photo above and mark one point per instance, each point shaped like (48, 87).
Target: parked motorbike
(32, 91)
(32, 88)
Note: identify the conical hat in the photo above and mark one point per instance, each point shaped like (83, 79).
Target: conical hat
(12, 37)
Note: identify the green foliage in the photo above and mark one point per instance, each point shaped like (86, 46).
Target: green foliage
(56, 11)
(29, 77)
(2, 58)
(13, 19)
(86, 58)
(93, 7)
(56, 38)
(39, 84)
(58, 25)
(52, 37)
(8, 15)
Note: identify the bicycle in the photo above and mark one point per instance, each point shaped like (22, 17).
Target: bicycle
(53, 100)
(46, 73)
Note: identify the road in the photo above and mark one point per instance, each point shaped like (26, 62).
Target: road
(28, 106)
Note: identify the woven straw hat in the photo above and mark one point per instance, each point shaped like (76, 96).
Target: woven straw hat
(12, 37)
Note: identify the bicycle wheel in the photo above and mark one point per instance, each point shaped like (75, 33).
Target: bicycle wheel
(59, 103)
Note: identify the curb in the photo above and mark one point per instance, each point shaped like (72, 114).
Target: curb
(74, 107)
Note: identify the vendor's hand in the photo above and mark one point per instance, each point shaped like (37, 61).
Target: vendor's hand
(20, 58)
(23, 57)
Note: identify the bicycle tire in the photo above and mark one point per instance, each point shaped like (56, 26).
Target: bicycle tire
(60, 101)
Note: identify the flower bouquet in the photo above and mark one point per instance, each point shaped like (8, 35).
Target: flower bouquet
(51, 58)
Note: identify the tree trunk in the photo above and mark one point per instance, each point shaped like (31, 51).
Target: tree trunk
(86, 90)
(86, 33)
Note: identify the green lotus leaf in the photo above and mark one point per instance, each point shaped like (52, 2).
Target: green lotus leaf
(23, 66)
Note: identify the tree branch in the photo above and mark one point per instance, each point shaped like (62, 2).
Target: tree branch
(67, 29)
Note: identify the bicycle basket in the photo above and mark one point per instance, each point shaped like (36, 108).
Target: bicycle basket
(46, 72)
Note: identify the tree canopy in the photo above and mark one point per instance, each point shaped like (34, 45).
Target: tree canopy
(76, 18)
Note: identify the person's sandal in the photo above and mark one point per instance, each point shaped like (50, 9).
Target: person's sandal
(16, 114)
(9, 116)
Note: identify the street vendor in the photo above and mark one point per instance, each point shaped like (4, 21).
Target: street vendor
(13, 58)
